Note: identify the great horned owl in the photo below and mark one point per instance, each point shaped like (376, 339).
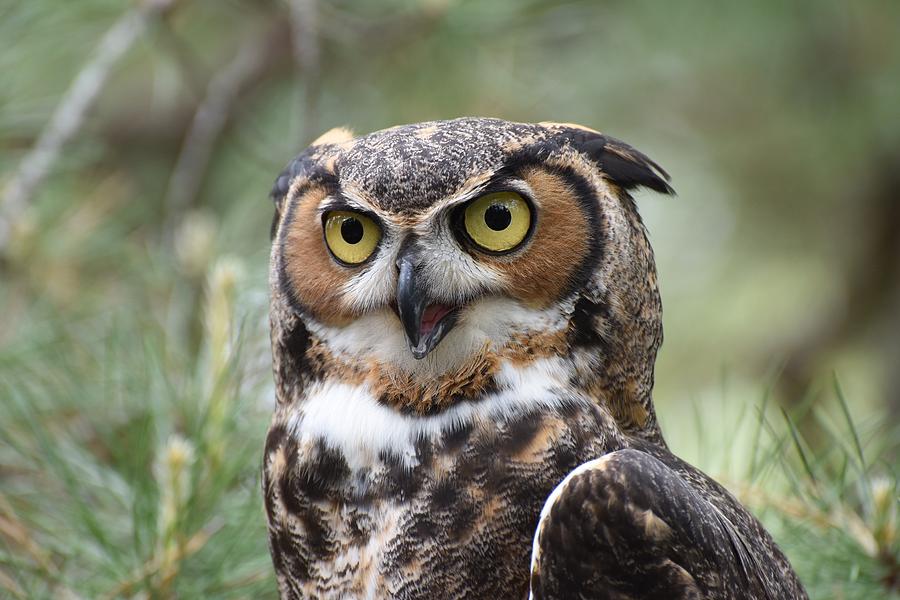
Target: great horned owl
(464, 321)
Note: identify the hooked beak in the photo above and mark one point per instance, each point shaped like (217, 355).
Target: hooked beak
(425, 324)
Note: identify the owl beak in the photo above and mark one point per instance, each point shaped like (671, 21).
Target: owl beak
(425, 324)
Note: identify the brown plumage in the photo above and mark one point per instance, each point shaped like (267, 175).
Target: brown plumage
(466, 411)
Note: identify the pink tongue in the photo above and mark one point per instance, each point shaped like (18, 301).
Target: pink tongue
(431, 316)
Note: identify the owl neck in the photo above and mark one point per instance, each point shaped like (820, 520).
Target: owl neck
(614, 355)
(350, 417)
(475, 376)
(588, 355)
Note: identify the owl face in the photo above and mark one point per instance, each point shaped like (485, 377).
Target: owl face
(444, 248)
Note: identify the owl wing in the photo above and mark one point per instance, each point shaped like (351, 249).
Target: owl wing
(628, 525)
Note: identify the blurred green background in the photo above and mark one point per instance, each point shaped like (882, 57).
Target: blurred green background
(138, 142)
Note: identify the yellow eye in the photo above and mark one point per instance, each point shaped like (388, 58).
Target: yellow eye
(351, 237)
(498, 222)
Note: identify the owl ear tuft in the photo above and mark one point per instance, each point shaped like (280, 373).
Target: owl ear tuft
(338, 135)
(620, 163)
(304, 164)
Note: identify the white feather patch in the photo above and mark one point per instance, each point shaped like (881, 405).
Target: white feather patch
(350, 419)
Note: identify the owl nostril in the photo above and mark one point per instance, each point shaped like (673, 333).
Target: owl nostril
(407, 252)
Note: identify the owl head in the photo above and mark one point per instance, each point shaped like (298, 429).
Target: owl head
(425, 261)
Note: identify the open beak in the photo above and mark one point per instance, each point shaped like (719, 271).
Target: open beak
(425, 324)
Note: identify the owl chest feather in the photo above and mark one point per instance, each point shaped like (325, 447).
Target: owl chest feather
(431, 511)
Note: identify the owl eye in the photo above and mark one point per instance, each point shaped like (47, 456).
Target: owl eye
(498, 222)
(352, 237)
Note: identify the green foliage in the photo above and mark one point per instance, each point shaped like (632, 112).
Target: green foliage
(838, 514)
(835, 511)
(129, 464)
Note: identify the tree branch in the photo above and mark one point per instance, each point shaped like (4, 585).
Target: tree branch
(210, 118)
(70, 113)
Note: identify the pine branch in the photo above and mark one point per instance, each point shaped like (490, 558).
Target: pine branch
(210, 118)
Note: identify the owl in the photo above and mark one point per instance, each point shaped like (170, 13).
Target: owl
(464, 322)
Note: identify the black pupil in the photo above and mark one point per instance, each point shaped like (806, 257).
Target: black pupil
(351, 230)
(497, 217)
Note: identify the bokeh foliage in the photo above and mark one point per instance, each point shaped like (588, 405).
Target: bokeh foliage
(133, 360)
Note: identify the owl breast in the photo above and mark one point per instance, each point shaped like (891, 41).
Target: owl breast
(366, 502)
